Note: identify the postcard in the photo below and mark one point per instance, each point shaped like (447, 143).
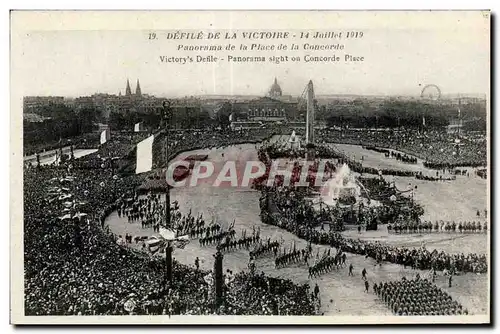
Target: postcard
(250, 167)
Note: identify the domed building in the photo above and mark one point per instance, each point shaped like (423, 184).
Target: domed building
(275, 90)
(274, 107)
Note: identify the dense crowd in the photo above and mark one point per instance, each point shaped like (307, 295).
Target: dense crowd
(438, 148)
(419, 258)
(417, 297)
(295, 208)
(74, 266)
(270, 296)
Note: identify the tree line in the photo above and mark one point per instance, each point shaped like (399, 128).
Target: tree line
(62, 122)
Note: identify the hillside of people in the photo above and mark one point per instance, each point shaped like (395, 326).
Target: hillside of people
(74, 266)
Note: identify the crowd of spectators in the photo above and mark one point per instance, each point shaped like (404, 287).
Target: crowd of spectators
(75, 266)
(419, 258)
(438, 148)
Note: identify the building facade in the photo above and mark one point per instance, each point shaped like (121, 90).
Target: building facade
(271, 108)
(32, 103)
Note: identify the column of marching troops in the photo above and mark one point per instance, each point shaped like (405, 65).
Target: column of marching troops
(437, 226)
(404, 297)
(417, 297)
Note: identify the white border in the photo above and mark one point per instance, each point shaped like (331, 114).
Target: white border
(256, 4)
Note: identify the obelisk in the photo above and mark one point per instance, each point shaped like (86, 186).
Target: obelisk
(310, 114)
(310, 122)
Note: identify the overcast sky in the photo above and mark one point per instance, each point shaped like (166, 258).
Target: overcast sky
(454, 56)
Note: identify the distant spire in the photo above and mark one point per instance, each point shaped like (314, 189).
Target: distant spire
(138, 89)
(275, 90)
(128, 92)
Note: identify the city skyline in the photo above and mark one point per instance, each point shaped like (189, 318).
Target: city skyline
(134, 93)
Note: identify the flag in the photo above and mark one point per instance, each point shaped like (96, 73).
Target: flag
(138, 127)
(182, 241)
(105, 136)
(155, 244)
(209, 279)
(145, 155)
(167, 234)
(316, 259)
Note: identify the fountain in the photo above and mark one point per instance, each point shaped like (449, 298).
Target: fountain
(342, 188)
(293, 141)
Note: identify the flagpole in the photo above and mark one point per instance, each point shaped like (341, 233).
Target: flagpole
(168, 249)
(166, 115)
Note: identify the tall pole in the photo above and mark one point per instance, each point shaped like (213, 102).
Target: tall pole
(168, 248)
(310, 114)
(166, 110)
(219, 279)
(310, 156)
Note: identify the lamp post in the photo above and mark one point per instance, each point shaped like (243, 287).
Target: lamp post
(167, 117)
(219, 279)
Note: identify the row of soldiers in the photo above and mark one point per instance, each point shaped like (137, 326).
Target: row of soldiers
(417, 297)
(243, 242)
(206, 231)
(294, 256)
(217, 238)
(328, 263)
(263, 249)
(428, 226)
(136, 208)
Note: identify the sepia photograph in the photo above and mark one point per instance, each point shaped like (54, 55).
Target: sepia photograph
(250, 167)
